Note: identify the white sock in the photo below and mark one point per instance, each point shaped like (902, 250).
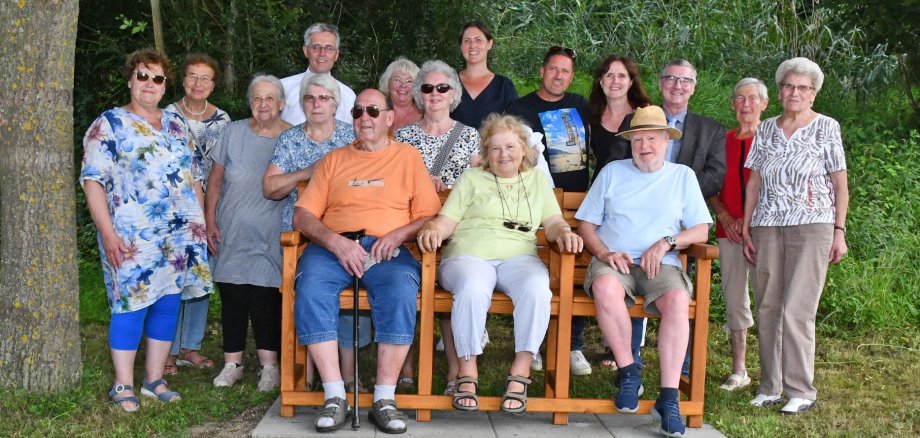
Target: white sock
(330, 390)
(384, 392)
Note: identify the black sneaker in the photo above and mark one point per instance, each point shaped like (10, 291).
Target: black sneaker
(668, 413)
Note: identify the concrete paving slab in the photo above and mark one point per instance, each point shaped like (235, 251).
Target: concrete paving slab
(454, 424)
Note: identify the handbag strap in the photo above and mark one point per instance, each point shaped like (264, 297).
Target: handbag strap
(446, 147)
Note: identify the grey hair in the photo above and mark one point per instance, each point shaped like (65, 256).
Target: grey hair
(678, 63)
(761, 87)
(432, 66)
(260, 77)
(324, 80)
(320, 27)
(400, 65)
(801, 66)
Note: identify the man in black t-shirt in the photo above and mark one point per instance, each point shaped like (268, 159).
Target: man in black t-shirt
(561, 117)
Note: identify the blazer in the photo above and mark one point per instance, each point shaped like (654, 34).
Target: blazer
(702, 149)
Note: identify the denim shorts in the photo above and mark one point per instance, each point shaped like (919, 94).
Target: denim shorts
(392, 287)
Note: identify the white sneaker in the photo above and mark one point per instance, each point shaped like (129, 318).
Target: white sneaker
(270, 377)
(764, 401)
(797, 406)
(229, 375)
(440, 345)
(537, 363)
(579, 365)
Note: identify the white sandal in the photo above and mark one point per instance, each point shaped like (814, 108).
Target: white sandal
(735, 381)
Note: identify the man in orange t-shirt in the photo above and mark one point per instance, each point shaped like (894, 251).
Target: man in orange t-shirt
(382, 187)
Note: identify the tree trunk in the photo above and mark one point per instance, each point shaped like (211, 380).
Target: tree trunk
(157, 19)
(39, 291)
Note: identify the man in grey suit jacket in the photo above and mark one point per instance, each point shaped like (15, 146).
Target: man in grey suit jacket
(701, 147)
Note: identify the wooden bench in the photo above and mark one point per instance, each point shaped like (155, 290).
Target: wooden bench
(579, 304)
(566, 277)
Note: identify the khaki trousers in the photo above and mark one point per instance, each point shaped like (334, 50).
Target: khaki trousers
(735, 271)
(790, 272)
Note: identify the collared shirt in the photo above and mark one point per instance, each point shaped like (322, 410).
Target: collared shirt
(675, 121)
(293, 107)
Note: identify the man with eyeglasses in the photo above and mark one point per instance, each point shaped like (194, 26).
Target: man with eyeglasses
(701, 147)
(321, 48)
(562, 118)
(380, 189)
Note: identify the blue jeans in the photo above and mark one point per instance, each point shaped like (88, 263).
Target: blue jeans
(193, 317)
(578, 332)
(638, 336)
(347, 329)
(392, 287)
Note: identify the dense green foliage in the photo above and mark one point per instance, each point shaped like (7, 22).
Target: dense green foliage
(874, 288)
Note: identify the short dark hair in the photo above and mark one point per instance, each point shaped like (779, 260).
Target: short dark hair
(559, 50)
(478, 25)
(147, 56)
(201, 58)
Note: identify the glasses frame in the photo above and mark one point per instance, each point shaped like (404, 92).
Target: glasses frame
(319, 48)
(802, 89)
(143, 76)
(442, 88)
(749, 99)
(683, 81)
(195, 78)
(372, 110)
(323, 98)
(514, 225)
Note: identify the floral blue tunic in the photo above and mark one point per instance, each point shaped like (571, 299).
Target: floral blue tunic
(148, 176)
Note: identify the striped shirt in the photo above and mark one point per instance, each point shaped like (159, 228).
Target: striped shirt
(796, 186)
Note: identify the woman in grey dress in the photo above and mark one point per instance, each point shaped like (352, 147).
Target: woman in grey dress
(243, 228)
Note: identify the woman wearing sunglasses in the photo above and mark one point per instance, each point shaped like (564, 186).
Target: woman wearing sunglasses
(492, 216)
(143, 191)
(243, 230)
(483, 92)
(449, 148)
(205, 121)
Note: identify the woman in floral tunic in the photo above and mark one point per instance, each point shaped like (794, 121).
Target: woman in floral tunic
(143, 191)
(206, 121)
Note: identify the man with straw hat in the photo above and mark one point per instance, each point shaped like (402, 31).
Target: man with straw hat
(634, 219)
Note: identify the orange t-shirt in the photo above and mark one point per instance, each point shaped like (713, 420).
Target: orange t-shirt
(375, 191)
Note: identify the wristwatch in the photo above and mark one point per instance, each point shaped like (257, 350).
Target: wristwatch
(671, 241)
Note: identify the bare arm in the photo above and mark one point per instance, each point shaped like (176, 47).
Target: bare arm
(276, 184)
(752, 192)
(384, 246)
(841, 205)
(654, 254)
(559, 231)
(215, 185)
(434, 232)
(730, 224)
(592, 242)
(112, 244)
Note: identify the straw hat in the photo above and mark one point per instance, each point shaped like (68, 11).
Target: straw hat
(650, 118)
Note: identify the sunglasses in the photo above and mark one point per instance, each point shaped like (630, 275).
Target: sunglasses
(372, 110)
(442, 88)
(512, 225)
(143, 76)
(556, 50)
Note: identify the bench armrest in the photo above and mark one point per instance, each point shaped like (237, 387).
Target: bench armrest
(292, 238)
(703, 251)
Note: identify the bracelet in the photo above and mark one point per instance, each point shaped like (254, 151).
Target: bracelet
(841, 228)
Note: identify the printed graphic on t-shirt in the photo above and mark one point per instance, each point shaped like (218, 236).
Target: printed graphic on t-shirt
(565, 140)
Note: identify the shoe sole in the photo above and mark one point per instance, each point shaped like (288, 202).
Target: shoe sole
(384, 429)
(657, 417)
(769, 403)
(581, 372)
(800, 411)
(335, 427)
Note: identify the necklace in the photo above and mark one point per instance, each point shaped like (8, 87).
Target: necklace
(506, 221)
(189, 110)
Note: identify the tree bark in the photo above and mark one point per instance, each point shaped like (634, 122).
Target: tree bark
(39, 290)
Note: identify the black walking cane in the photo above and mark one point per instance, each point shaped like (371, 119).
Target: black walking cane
(355, 422)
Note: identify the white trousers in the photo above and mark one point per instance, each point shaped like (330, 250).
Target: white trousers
(471, 280)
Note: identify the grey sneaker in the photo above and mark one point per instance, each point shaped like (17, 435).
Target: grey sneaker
(579, 365)
(270, 377)
(229, 375)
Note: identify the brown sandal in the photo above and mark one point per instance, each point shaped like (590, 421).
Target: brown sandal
(466, 395)
(192, 358)
(515, 396)
(170, 369)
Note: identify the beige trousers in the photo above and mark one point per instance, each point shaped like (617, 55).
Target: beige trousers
(790, 272)
(735, 271)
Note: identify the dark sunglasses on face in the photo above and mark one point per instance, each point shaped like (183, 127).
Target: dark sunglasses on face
(512, 225)
(372, 110)
(442, 88)
(143, 76)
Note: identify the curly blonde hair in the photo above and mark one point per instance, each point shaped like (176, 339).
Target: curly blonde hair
(497, 123)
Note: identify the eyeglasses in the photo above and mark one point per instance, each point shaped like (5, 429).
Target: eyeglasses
(442, 88)
(748, 99)
(556, 50)
(683, 81)
(195, 78)
(320, 48)
(512, 225)
(143, 76)
(802, 88)
(323, 98)
(372, 110)
(402, 81)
